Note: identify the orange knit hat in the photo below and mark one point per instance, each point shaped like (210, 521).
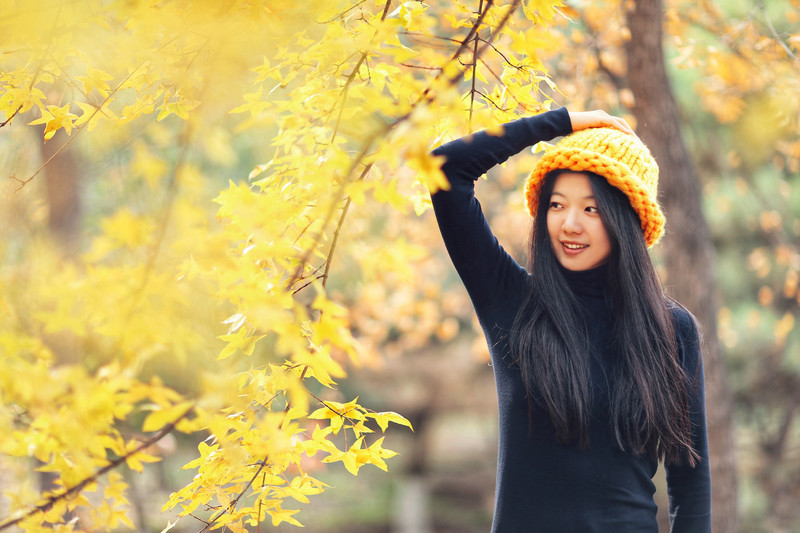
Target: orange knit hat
(620, 158)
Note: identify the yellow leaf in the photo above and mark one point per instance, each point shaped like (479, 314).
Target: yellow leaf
(428, 169)
(206, 452)
(162, 417)
(280, 515)
(96, 79)
(135, 461)
(238, 341)
(55, 118)
(385, 417)
(127, 228)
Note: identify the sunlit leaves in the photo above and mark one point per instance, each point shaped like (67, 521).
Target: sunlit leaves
(306, 268)
(17, 95)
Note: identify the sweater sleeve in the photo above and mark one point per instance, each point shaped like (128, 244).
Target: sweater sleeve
(487, 271)
(689, 488)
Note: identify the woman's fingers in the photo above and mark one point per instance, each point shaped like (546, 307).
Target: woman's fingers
(622, 125)
(597, 119)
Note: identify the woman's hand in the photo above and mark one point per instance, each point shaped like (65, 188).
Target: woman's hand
(597, 119)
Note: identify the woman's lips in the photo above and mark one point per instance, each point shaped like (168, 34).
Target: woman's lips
(573, 248)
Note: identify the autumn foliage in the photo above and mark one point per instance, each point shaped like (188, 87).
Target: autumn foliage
(220, 325)
(251, 172)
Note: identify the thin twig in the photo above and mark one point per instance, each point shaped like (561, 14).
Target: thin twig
(342, 14)
(475, 27)
(316, 278)
(522, 104)
(772, 30)
(491, 101)
(501, 54)
(421, 67)
(474, 71)
(420, 36)
(335, 240)
(9, 119)
(488, 42)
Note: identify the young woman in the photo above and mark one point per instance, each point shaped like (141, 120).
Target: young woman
(599, 374)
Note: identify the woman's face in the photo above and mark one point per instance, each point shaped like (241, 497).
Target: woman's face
(577, 233)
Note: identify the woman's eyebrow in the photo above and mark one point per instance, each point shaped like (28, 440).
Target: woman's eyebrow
(556, 193)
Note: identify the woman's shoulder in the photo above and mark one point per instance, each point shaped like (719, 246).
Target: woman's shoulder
(687, 329)
(683, 320)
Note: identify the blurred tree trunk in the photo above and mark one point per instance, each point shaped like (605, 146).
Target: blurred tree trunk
(62, 195)
(63, 222)
(687, 246)
(62, 190)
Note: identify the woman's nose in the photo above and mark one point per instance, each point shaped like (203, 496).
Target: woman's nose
(572, 223)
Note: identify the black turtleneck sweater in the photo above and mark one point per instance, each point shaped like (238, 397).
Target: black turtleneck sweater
(544, 486)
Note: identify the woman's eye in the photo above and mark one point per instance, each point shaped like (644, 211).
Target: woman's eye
(592, 209)
(554, 205)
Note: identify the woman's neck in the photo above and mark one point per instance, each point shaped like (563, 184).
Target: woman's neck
(590, 282)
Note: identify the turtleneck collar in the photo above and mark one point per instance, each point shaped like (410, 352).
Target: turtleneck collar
(591, 283)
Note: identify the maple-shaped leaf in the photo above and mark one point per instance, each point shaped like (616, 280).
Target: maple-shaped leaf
(96, 79)
(238, 341)
(280, 515)
(383, 419)
(55, 118)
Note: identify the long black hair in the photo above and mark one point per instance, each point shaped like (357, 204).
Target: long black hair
(648, 390)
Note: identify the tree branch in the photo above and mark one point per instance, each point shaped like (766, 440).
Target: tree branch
(335, 240)
(9, 119)
(474, 71)
(75, 489)
(501, 54)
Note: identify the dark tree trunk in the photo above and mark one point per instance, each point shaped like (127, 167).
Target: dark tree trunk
(687, 246)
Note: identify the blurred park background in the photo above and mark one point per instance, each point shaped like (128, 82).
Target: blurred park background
(118, 232)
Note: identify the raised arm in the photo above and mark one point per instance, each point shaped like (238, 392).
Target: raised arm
(487, 271)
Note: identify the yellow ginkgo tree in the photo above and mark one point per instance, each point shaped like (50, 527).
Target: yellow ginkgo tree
(225, 148)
